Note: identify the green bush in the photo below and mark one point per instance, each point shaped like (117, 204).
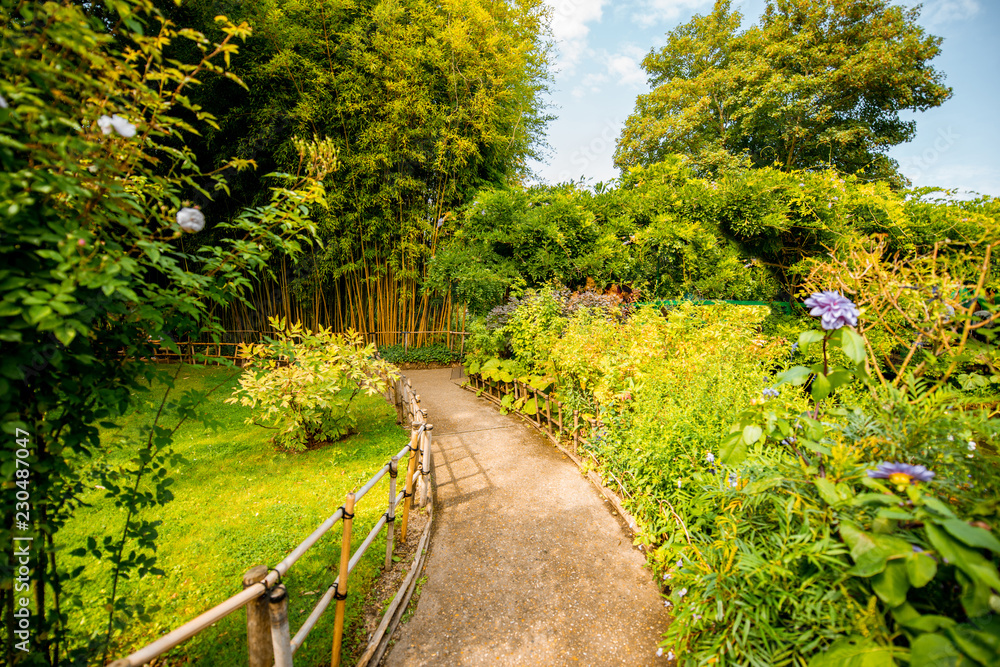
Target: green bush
(303, 384)
(774, 544)
(427, 354)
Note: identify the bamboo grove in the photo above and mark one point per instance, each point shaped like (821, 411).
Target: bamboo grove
(425, 103)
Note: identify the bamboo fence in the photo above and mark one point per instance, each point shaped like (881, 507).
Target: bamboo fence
(552, 419)
(265, 597)
(194, 351)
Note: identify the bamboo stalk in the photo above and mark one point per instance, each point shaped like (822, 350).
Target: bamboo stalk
(548, 414)
(426, 466)
(391, 513)
(408, 487)
(280, 636)
(345, 560)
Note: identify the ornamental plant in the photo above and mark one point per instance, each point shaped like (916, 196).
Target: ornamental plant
(905, 560)
(303, 383)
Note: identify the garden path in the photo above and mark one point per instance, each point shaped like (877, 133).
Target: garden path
(528, 565)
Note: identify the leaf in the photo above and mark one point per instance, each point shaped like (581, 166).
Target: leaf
(920, 568)
(530, 407)
(970, 561)
(796, 375)
(854, 651)
(752, 433)
(935, 650)
(927, 623)
(733, 450)
(807, 338)
(871, 551)
(827, 491)
(892, 583)
(839, 378)
(938, 506)
(980, 646)
(853, 345)
(971, 535)
(821, 387)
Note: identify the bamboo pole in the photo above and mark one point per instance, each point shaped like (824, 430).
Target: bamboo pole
(548, 414)
(576, 430)
(341, 595)
(426, 467)
(281, 638)
(390, 515)
(408, 487)
(261, 652)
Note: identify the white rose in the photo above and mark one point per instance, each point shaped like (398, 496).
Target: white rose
(191, 220)
(119, 124)
(123, 127)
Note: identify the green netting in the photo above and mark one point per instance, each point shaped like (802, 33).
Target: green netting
(779, 305)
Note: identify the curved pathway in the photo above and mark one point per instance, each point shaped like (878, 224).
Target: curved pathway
(528, 565)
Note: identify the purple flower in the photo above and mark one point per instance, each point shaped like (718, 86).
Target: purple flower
(901, 474)
(834, 310)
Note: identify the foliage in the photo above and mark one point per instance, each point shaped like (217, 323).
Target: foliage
(95, 265)
(515, 236)
(427, 354)
(816, 82)
(749, 234)
(775, 544)
(303, 383)
(926, 315)
(425, 102)
(916, 547)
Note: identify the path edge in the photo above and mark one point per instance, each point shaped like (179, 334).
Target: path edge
(624, 515)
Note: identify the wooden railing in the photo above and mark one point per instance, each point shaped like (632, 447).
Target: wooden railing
(264, 595)
(557, 429)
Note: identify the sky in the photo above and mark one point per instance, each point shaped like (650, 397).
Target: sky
(599, 47)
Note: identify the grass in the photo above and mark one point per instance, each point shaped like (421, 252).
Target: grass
(238, 503)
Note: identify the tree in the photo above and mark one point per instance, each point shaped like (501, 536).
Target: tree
(817, 83)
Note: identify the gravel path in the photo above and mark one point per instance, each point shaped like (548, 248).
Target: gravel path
(528, 565)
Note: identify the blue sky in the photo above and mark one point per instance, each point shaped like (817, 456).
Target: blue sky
(600, 45)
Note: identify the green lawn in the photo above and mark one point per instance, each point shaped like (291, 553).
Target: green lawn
(238, 503)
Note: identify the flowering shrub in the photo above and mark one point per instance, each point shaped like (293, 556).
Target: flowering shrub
(303, 383)
(95, 119)
(892, 561)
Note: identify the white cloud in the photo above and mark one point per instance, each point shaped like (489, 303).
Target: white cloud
(938, 12)
(591, 83)
(569, 27)
(981, 179)
(625, 70)
(652, 12)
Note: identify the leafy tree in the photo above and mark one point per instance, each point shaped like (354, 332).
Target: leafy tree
(96, 263)
(816, 83)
